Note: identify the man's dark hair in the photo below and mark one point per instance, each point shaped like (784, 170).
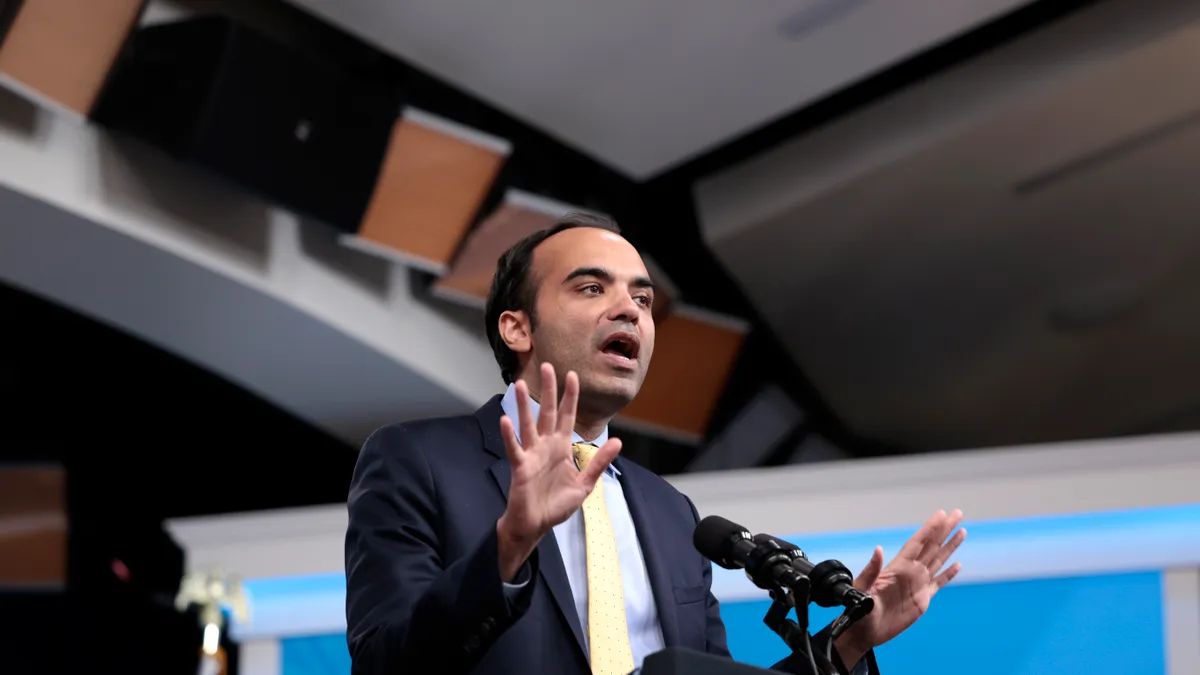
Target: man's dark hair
(514, 289)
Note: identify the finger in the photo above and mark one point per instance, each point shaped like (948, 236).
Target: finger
(570, 399)
(914, 546)
(867, 577)
(549, 414)
(603, 457)
(512, 446)
(940, 581)
(938, 538)
(525, 413)
(948, 550)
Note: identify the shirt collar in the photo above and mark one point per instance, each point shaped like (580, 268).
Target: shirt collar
(509, 405)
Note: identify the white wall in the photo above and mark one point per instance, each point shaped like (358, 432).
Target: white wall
(853, 504)
(805, 503)
(1056, 478)
(260, 657)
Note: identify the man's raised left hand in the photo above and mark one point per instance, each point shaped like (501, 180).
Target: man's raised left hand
(903, 590)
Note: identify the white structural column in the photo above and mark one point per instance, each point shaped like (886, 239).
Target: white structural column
(1181, 614)
(260, 657)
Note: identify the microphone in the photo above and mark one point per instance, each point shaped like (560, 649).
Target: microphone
(832, 584)
(791, 550)
(730, 546)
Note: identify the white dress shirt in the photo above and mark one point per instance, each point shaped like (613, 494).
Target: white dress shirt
(641, 614)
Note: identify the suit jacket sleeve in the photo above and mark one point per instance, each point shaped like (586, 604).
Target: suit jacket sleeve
(717, 641)
(793, 663)
(407, 608)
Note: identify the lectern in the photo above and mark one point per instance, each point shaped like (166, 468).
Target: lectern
(679, 661)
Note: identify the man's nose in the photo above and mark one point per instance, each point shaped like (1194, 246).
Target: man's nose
(625, 308)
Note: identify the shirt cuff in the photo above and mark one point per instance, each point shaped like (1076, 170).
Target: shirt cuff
(511, 590)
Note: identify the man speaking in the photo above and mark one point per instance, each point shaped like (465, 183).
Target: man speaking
(515, 540)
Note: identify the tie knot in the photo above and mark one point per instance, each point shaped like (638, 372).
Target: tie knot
(584, 452)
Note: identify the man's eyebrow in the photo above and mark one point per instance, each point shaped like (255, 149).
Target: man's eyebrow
(594, 272)
(604, 275)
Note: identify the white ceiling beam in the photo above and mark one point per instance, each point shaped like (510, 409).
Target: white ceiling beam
(120, 232)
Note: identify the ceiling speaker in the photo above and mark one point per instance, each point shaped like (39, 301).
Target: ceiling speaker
(519, 215)
(33, 527)
(272, 119)
(434, 185)
(60, 53)
(695, 351)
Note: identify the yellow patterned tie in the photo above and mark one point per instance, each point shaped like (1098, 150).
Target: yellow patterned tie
(608, 633)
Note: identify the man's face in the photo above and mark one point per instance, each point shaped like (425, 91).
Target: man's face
(594, 301)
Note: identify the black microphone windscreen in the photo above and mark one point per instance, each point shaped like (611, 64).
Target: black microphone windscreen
(764, 538)
(715, 537)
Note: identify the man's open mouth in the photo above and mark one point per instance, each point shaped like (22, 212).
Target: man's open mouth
(625, 345)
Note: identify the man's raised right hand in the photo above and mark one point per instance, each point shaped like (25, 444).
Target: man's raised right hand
(546, 485)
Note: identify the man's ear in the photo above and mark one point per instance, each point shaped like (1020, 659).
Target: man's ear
(516, 332)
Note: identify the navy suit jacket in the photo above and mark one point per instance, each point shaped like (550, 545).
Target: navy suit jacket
(423, 586)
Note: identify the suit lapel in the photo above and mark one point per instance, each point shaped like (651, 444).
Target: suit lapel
(656, 563)
(549, 558)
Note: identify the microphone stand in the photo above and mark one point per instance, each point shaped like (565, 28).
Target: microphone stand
(794, 633)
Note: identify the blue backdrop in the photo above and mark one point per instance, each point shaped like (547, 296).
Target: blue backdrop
(1095, 625)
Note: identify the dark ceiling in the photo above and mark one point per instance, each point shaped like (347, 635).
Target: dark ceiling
(158, 437)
